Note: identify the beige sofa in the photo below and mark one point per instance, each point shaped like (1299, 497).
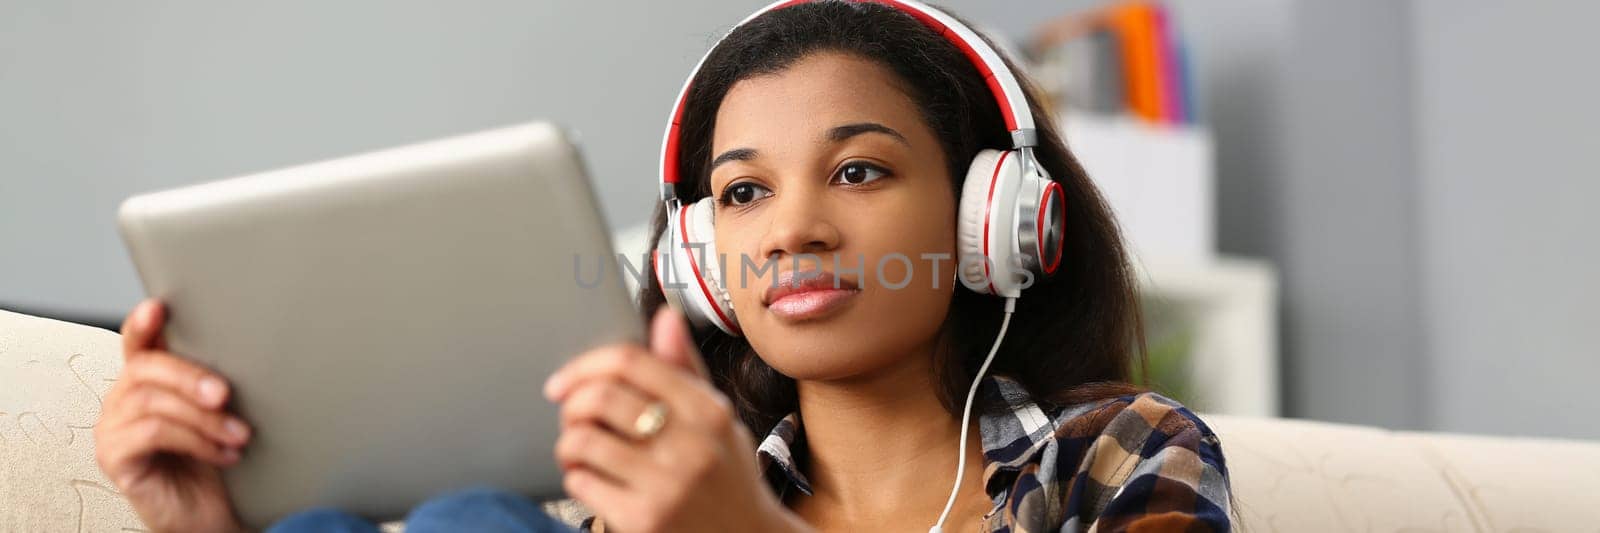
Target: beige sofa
(1290, 476)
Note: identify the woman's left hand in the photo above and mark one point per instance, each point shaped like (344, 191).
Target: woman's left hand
(697, 472)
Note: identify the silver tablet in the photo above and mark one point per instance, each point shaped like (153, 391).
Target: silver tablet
(387, 320)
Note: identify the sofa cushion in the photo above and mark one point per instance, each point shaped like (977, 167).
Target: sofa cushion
(52, 376)
(1519, 484)
(1290, 475)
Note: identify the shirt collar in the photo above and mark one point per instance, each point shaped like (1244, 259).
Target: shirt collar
(1010, 437)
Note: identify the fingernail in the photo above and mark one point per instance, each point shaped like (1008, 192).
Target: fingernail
(230, 455)
(551, 386)
(211, 390)
(143, 314)
(236, 428)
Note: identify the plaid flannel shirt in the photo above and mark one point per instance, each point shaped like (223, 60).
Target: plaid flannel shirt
(1133, 462)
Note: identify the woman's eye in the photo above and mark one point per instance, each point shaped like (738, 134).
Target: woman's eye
(858, 173)
(743, 193)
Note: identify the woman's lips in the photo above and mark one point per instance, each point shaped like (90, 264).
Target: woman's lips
(811, 304)
(808, 295)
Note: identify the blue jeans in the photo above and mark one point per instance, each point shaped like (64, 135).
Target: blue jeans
(475, 509)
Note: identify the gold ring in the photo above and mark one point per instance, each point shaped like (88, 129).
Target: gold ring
(651, 420)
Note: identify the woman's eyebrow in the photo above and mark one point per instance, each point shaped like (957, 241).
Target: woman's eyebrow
(736, 154)
(840, 133)
(835, 134)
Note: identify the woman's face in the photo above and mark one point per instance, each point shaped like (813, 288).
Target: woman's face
(827, 169)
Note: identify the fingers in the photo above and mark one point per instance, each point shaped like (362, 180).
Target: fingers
(166, 370)
(589, 447)
(610, 404)
(137, 441)
(670, 341)
(151, 401)
(162, 403)
(689, 398)
(141, 330)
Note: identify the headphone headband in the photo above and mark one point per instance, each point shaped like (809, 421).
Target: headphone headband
(1002, 83)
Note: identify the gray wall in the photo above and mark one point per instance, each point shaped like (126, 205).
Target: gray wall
(1429, 201)
(1426, 187)
(102, 100)
(1345, 231)
(1509, 155)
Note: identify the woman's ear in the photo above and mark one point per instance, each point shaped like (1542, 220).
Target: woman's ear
(670, 340)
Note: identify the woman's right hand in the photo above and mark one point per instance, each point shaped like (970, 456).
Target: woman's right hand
(163, 433)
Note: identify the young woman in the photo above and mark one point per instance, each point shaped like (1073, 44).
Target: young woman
(835, 139)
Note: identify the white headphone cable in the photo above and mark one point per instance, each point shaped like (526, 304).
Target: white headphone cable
(966, 416)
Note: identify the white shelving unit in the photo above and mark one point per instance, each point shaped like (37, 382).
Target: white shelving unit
(1230, 304)
(1160, 182)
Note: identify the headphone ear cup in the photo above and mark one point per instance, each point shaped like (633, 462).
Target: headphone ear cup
(702, 229)
(688, 269)
(670, 271)
(984, 236)
(1050, 214)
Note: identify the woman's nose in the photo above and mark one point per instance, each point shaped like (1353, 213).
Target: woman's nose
(800, 223)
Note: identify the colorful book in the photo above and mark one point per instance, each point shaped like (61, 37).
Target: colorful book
(1131, 22)
(1170, 78)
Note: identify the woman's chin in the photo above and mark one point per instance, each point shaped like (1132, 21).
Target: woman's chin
(824, 350)
(805, 364)
(840, 336)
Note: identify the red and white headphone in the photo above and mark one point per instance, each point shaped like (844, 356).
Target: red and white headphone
(1011, 212)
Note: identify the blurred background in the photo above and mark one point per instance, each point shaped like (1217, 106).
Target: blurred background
(1373, 211)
